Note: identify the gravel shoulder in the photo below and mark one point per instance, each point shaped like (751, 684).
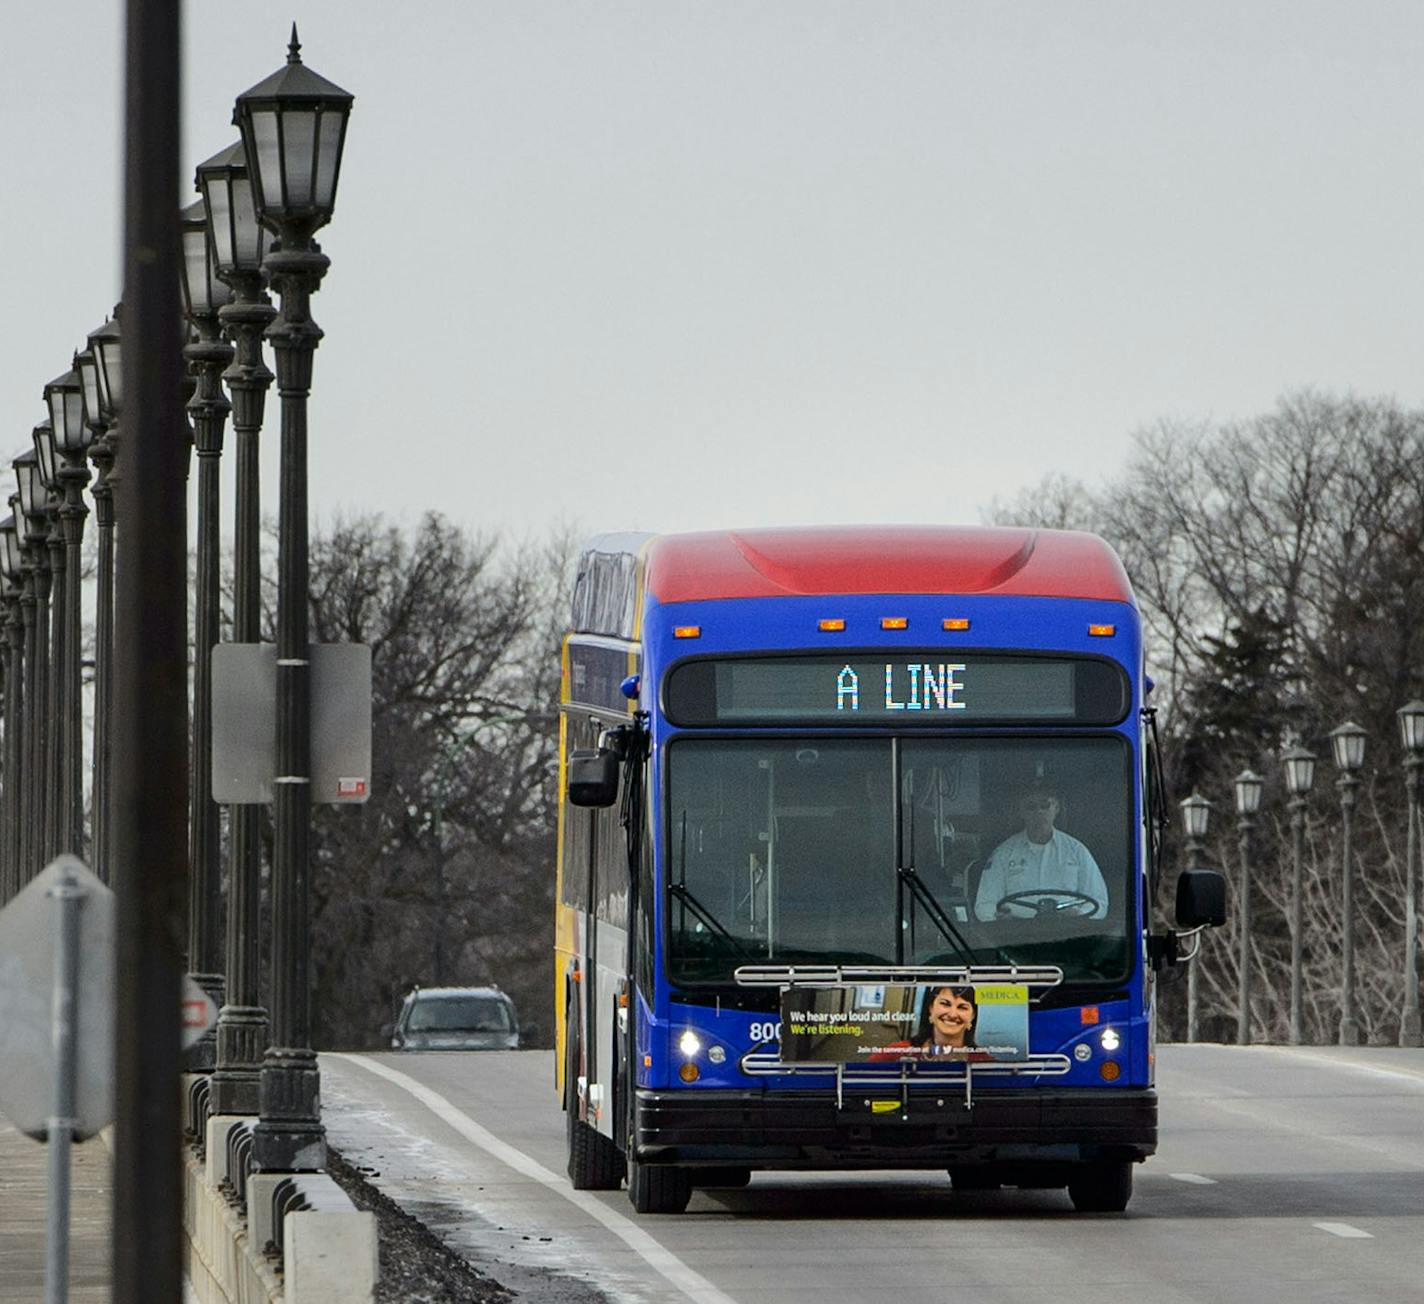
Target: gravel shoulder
(417, 1267)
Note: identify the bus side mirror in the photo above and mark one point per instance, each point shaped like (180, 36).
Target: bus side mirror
(1201, 898)
(593, 778)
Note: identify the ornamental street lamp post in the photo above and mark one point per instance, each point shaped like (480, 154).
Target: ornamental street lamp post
(65, 398)
(30, 796)
(11, 573)
(1248, 802)
(293, 127)
(48, 461)
(105, 388)
(22, 560)
(1411, 732)
(1348, 743)
(239, 244)
(1196, 818)
(32, 505)
(1300, 775)
(208, 354)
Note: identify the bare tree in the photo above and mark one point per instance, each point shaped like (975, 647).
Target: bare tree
(444, 874)
(1279, 565)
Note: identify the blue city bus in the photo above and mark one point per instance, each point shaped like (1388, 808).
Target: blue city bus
(858, 842)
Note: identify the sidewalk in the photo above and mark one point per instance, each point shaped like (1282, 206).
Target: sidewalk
(24, 1175)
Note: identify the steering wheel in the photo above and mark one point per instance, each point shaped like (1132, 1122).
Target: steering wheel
(1044, 901)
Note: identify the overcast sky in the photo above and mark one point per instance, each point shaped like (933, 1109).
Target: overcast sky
(685, 265)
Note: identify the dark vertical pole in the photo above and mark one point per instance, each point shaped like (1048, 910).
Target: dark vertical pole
(43, 701)
(1193, 997)
(58, 703)
(14, 770)
(1297, 920)
(210, 353)
(150, 745)
(1410, 1031)
(101, 453)
(1243, 979)
(29, 817)
(74, 475)
(290, 1135)
(242, 1024)
(1349, 1026)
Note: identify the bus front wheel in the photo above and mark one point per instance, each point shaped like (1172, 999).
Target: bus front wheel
(1103, 1187)
(595, 1163)
(656, 1188)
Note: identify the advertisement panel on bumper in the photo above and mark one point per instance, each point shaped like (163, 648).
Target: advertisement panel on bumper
(932, 1024)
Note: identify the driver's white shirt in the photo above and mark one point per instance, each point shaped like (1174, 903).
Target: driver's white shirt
(1019, 864)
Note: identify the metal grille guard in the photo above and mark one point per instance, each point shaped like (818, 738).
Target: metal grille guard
(856, 975)
(767, 1063)
(904, 1075)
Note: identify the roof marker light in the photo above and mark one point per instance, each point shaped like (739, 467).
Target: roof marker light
(1102, 631)
(830, 626)
(687, 631)
(956, 622)
(894, 622)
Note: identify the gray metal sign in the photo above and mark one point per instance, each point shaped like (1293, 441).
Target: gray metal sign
(200, 1012)
(245, 722)
(28, 940)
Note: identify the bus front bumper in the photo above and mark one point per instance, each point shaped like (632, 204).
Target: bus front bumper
(809, 1129)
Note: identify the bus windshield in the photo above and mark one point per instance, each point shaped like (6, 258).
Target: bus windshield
(899, 851)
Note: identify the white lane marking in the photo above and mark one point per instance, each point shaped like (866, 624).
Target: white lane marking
(1414, 1077)
(655, 1255)
(1345, 1230)
(1195, 1178)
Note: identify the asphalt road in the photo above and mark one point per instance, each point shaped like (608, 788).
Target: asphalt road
(1283, 1175)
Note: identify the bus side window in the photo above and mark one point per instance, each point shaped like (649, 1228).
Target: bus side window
(643, 966)
(578, 825)
(610, 870)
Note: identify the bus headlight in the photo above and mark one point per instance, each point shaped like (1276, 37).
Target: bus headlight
(1110, 1039)
(689, 1043)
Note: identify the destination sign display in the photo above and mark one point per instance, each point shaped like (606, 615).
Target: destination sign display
(929, 688)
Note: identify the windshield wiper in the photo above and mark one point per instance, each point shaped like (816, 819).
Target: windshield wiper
(939, 916)
(683, 894)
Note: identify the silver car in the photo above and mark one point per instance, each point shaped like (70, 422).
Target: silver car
(456, 1018)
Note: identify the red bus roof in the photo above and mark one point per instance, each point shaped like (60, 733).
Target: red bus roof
(817, 560)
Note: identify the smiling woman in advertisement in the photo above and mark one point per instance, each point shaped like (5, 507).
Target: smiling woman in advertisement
(948, 1016)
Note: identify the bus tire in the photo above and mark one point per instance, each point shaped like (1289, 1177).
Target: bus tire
(1102, 1187)
(722, 1179)
(594, 1161)
(654, 1188)
(974, 1178)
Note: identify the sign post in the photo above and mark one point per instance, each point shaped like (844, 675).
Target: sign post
(56, 1040)
(68, 897)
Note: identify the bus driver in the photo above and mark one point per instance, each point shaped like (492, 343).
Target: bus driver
(1042, 870)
